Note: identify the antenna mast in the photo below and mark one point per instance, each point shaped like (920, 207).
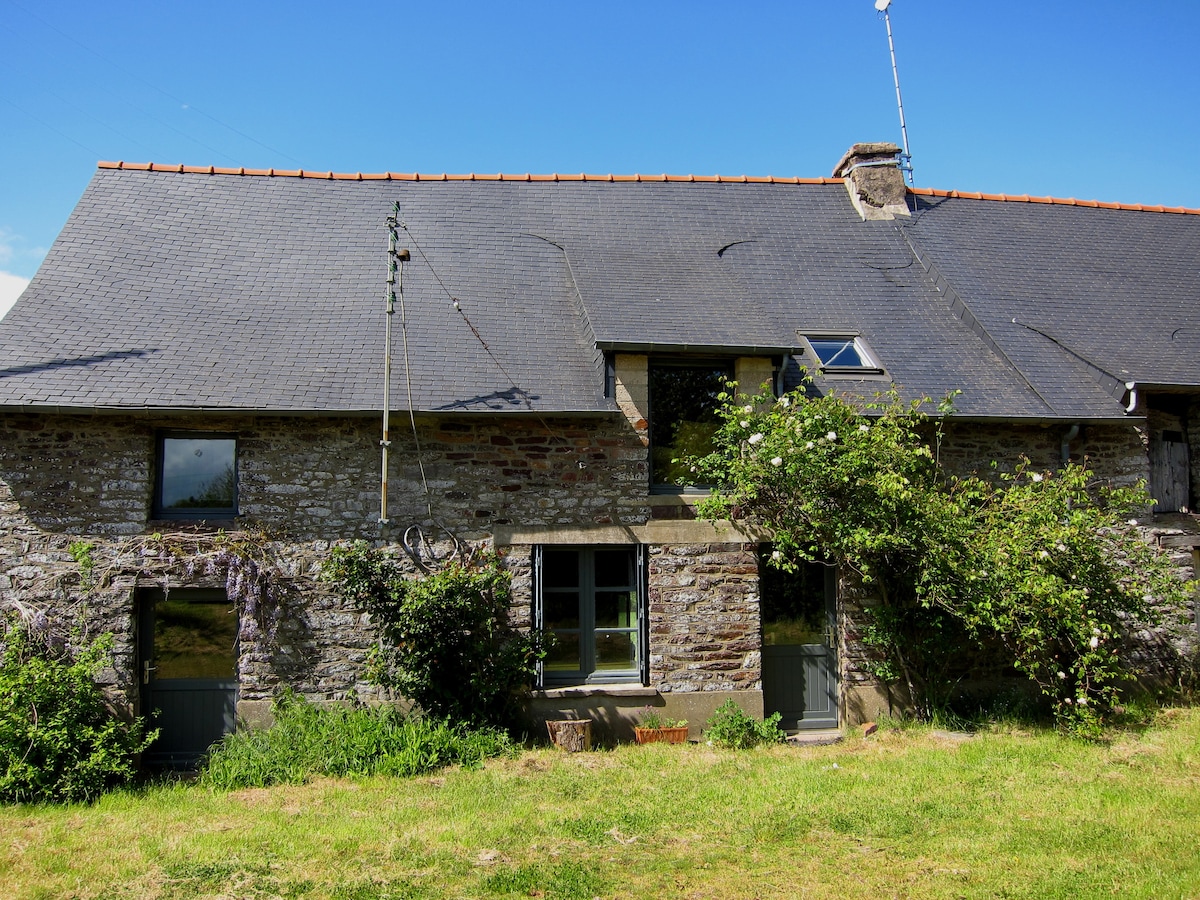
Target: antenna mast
(905, 157)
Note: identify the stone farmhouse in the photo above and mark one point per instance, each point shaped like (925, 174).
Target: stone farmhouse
(203, 353)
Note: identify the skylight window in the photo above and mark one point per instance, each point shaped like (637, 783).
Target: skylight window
(842, 354)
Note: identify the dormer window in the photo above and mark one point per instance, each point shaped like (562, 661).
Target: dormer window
(841, 354)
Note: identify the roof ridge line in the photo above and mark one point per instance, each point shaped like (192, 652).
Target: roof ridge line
(611, 178)
(471, 176)
(1054, 201)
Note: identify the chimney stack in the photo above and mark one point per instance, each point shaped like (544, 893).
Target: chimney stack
(874, 180)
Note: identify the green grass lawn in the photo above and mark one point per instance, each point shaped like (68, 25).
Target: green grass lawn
(905, 813)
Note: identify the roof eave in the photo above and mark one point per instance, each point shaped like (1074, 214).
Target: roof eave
(692, 349)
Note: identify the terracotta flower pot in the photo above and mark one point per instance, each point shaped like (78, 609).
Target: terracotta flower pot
(661, 735)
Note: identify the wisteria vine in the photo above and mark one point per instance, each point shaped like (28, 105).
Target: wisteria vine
(256, 578)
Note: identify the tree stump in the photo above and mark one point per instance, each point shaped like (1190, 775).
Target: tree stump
(572, 735)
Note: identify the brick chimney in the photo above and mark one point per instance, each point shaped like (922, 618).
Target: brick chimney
(874, 180)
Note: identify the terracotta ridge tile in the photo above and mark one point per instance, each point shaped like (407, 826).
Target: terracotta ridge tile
(1055, 201)
(624, 179)
(330, 175)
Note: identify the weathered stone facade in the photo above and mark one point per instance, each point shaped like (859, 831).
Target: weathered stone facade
(514, 481)
(308, 482)
(704, 632)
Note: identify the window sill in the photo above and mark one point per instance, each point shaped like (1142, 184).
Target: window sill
(593, 690)
(695, 491)
(689, 499)
(188, 522)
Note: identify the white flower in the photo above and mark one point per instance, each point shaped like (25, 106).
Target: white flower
(809, 445)
(784, 401)
(1094, 642)
(1066, 700)
(1082, 701)
(776, 555)
(1062, 675)
(1036, 476)
(747, 409)
(1043, 554)
(777, 461)
(864, 428)
(744, 423)
(832, 436)
(756, 437)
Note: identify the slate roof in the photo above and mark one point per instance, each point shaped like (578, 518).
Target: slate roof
(207, 289)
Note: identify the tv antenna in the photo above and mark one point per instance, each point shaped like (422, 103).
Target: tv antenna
(905, 157)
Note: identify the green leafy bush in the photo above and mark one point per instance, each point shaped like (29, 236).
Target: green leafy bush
(447, 642)
(732, 728)
(1044, 568)
(59, 740)
(343, 741)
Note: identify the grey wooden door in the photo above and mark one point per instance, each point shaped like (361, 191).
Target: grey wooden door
(188, 646)
(799, 659)
(1170, 480)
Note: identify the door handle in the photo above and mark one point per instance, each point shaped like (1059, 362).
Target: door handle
(146, 670)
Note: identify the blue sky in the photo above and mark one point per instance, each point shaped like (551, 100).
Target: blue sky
(1095, 101)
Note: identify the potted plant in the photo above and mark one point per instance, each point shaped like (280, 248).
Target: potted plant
(652, 728)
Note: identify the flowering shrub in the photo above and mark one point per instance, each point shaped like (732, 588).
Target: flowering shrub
(1045, 565)
(256, 579)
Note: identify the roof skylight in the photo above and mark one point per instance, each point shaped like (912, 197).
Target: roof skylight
(845, 354)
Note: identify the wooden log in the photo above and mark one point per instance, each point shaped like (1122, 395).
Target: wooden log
(572, 735)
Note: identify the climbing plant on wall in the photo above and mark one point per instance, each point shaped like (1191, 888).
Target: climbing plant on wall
(256, 578)
(1049, 566)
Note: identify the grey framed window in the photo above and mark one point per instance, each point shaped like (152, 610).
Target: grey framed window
(592, 601)
(683, 416)
(196, 476)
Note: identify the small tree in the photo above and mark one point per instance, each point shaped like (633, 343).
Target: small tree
(446, 642)
(1044, 564)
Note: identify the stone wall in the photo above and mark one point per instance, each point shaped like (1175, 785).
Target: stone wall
(308, 481)
(1116, 452)
(519, 479)
(704, 623)
(318, 478)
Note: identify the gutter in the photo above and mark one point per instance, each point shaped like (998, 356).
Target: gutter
(699, 349)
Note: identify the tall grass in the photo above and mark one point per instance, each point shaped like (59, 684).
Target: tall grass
(916, 812)
(308, 740)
